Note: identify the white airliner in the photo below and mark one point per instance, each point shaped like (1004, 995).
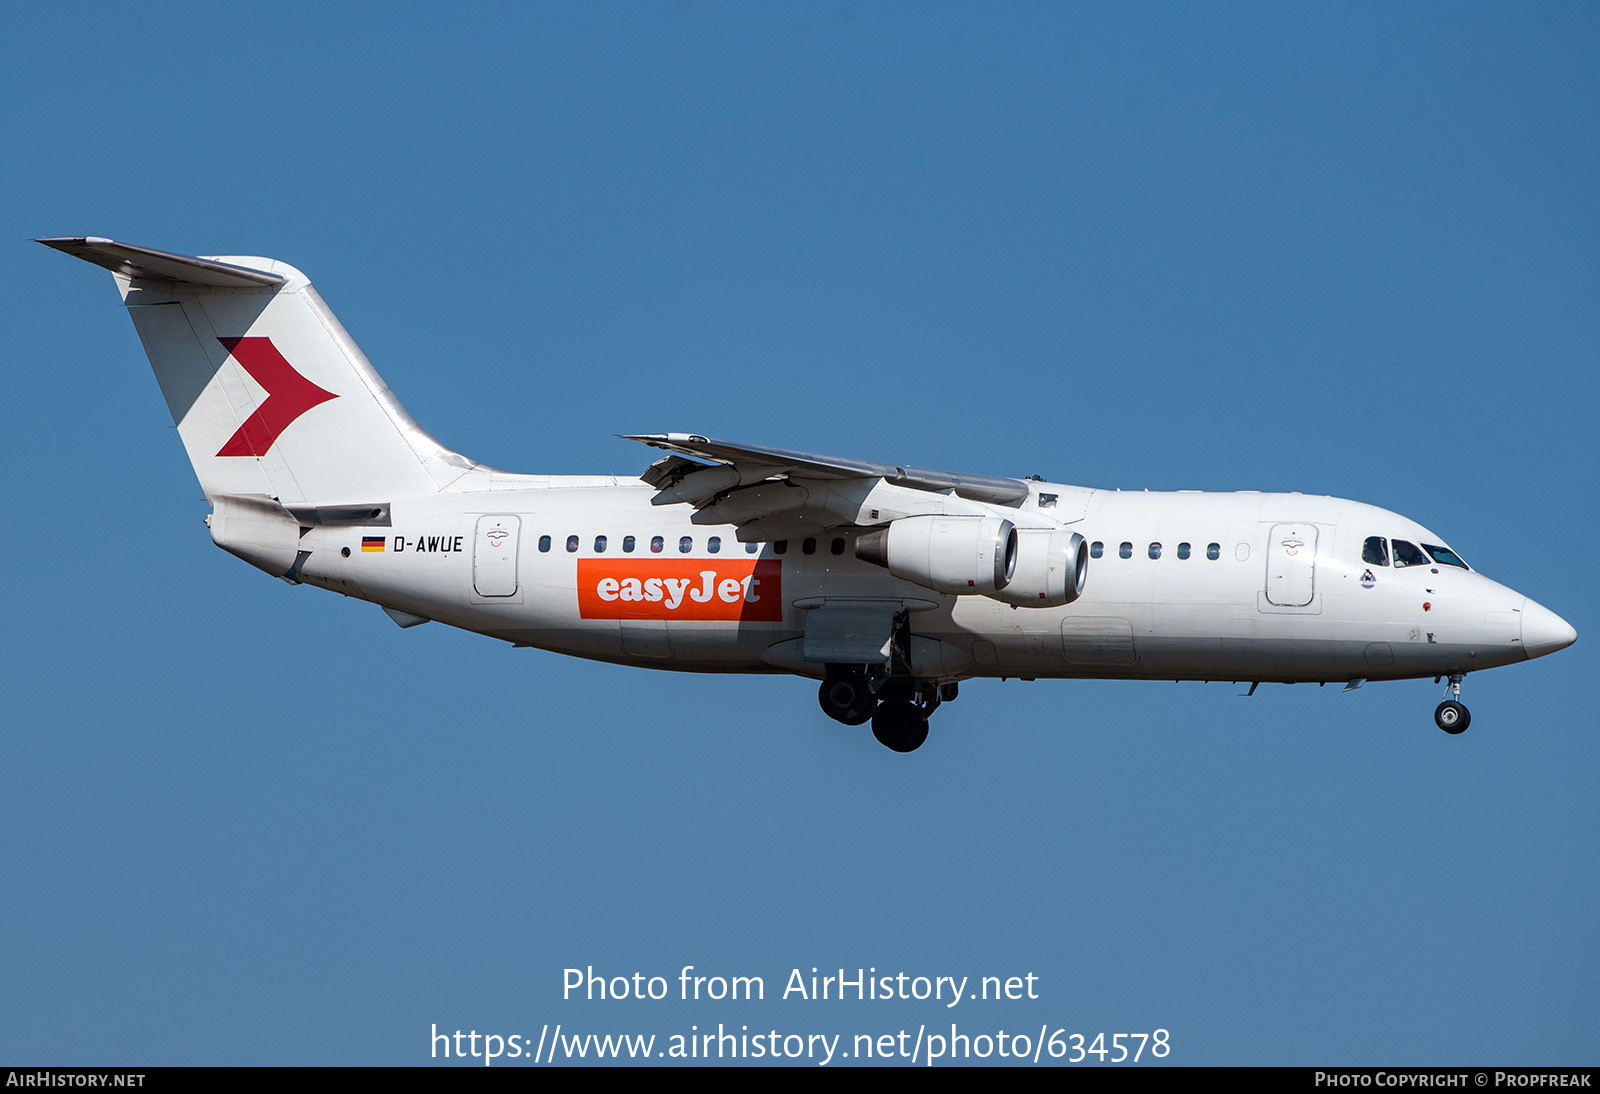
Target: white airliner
(890, 584)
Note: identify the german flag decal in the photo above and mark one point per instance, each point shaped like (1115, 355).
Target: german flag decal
(372, 543)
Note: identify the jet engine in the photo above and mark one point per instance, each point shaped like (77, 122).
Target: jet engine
(960, 554)
(1051, 566)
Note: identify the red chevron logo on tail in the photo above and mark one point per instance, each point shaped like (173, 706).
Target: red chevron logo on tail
(289, 395)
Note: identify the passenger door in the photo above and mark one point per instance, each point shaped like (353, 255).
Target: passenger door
(1292, 565)
(494, 555)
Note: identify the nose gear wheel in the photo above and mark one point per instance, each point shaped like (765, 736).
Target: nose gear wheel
(1451, 715)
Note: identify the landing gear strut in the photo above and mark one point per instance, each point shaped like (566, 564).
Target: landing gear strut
(1451, 716)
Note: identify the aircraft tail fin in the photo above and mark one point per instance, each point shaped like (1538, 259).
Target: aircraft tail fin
(270, 394)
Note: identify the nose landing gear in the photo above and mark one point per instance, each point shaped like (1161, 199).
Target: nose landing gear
(1451, 716)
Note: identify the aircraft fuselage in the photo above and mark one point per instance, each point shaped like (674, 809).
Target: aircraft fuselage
(700, 600)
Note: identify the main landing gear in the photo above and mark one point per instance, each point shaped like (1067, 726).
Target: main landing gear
(848, 697)
(898, 708)
(901, 725)
(1450, 715)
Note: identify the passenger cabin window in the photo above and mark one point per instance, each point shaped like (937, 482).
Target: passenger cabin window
(751, 548)
(544, 544)
(1375, 551)
(572, 544)
(1183, 550)
(1155, 550)
(837, 546)
(656, 543)
(781, 547)
(685, 545)
(808, 546)
(1096, 549)
(1213, 551)
(599, 545)
(714, 544)
(1444, 556)
(628, 544)
(1408, 554)
(1125, 550)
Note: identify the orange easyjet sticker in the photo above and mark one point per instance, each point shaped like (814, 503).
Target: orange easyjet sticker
(680, 588)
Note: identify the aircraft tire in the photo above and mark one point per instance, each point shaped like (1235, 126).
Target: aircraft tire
(845, 697)
(900, 726)
(1452, 717)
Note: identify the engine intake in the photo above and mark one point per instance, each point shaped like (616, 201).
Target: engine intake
(951, 554)
(1052, 564)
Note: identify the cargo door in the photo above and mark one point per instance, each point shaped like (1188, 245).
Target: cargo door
(645, 636)
(1098, 640)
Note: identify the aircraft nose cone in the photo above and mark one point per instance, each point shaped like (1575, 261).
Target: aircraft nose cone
(1543, 631)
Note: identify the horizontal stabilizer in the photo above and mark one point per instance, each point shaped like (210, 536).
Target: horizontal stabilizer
(143, 264)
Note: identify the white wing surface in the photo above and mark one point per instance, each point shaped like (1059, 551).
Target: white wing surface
(774, 493)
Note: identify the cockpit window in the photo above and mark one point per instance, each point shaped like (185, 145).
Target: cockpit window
(1408, 554)
(1444, 556)
(1375, 551)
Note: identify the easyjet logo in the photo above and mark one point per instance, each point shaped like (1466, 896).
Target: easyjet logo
(680, 588)
(289, 395)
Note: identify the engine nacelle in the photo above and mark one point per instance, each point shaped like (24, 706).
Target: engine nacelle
(951, 554)
(1051, 567)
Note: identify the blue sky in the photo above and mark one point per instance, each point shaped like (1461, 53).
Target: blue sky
(1350, 251)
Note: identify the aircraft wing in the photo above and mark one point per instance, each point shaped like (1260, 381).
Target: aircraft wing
(773, 493)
